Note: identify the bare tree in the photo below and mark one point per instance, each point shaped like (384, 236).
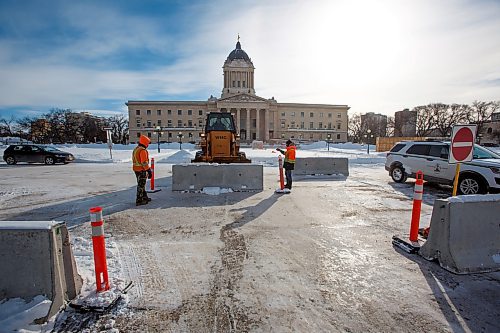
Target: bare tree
(119, 125)
(480, 112)
(7, 126)
(391, 126)
(447, 116)
(355, 130)
(425, 120)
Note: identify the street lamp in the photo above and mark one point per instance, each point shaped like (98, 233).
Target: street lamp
(158, 133)
(328, 139)
(180, 136)
(368, 136)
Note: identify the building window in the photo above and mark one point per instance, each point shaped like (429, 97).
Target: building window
(200, 123)
(234, 83)
(311, 125)
(158, 112)
(149, 123)
(293, 114)
(200, 112)
(170, 135)
(329, 115)
(148, 112)
(179, 123)
(320, 125)
(329, 125)
(292, 124)
(244, 85)
(149, 134)
(169, 112)
(282, 125)
(311, 136)
(338, 136)
(311, 114)
(302, 124)
(190, 123)
(339, 115)
(138, 134)
(321, 114)
(169, 123)
(239, 84)
(137, 112)
(338, 126)
(489, 130)
(179, 112)
(302, 114)
(190, 112)
(282, 114)
(138, 123)
(254, 122)
(159, 122)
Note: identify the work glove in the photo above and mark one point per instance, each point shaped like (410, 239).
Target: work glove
(150, 174)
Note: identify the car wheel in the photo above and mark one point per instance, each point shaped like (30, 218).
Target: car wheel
(470, 185)
(10, 160)
(49, 160)
(398, 174)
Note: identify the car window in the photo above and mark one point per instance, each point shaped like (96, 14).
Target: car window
(397, 147)
(35, 149)
(18, 148)
(418, 150)
(482, 153)
(440, 151)
(48, 148)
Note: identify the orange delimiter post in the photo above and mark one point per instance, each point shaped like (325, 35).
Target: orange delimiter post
(417, 205)
(99, 247)
(282, 180)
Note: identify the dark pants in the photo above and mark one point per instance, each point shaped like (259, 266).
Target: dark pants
(142, 177)
(288, 175)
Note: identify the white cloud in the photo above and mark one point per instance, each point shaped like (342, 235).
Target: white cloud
(378, 56)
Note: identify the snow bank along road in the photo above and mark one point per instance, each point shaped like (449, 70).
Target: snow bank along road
(317, 260)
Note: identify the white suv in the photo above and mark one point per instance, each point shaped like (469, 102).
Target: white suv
(479, 176)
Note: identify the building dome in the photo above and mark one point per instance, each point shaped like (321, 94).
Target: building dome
(238, 53)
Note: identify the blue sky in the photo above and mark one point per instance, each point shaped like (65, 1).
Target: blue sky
(375, 56)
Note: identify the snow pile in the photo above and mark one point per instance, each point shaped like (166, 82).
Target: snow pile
(179, 157)
(216, 190)
(17, 315)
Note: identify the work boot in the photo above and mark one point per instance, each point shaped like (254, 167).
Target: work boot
(141, 202)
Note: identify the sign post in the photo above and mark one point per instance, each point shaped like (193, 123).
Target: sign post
(461, 149)
(109, 140)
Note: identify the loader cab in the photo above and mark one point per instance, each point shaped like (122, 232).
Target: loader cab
(220, 122)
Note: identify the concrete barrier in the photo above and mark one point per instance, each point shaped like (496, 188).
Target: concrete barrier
(238, 177)
(36, 259)
(464, 234)
(321, 166)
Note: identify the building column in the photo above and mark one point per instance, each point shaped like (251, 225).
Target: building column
(266, 125)
(238, 121)
(248, 124)
(257, 127)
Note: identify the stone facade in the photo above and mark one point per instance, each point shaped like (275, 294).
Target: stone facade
(256, 118)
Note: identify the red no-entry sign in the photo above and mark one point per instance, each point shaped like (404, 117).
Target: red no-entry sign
(462, 143)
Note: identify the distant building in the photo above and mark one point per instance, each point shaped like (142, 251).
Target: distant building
(405, 123)
(375, 122)
(490, 131)
(256, 118)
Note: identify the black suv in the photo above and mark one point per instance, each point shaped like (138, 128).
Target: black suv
(36, 154)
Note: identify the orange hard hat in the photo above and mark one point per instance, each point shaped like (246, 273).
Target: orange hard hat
(144, 140)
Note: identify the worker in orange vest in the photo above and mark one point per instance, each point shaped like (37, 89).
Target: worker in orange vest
(140, 165)
(289, 163)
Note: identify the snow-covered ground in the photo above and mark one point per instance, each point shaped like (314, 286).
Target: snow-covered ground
(319, 259)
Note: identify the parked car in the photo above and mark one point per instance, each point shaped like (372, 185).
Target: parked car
(490, 144)
(479, 176)
(35, 154)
